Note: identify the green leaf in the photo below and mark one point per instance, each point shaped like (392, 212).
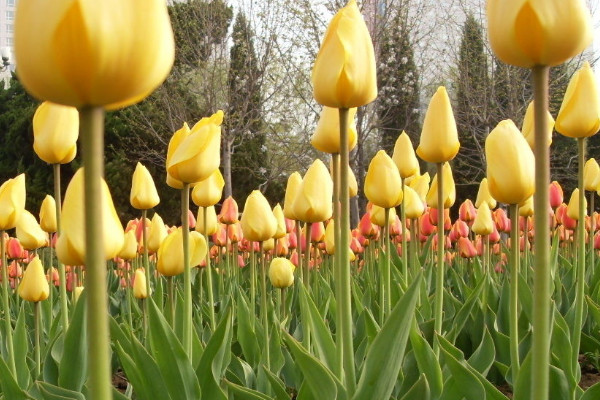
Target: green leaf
(428, 363)
(21, 348)
(483, 357)
(246, 336)
(72, 369)
(51, 392)
(175, 365)
(593, 393)
(277, 385)
(243, 393)
(462, 316)
(212, 364)
(10, 387)
(384, 358)
(466, 382)
(323, 341)
(135, 375)
(420, 390)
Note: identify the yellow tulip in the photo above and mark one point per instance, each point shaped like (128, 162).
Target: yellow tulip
(209, 191)
(327, 134)
(70, 247)
(439, 137)
(174, 143)
(268, 244)
(483, 195)
(77, 293)
(591, 175)
(383, 185)
(130, 245)
(12, 202)
(528, 127)
(313, 201)
(344, 74)
(48, 214)
(404, 156)
(212, 224)
(526, 207)
(378, 215)
(352, 184)
(198, 155)
(573, 211)
(258, 222)
(413, 204)
(140, 291)
(330, 237)
(291, 191)
(29, 232)
(93, 53)
(157, 233)
(420, 184)
(579, 114)
(55, 133)
(527, 33)
(281, 272)
(280, 218)
(510, 164)
(449, 194)
(143, 194)
(170, 252)
(483, 224)
(34, 286)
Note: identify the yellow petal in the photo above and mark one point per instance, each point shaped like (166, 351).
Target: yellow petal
(55, 133)
(439, 137)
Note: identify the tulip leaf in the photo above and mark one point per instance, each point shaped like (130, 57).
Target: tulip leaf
(10, 387)
(277, 385)
(463, 314)
(323, 341)
(592, 393)
(135, 375)
(246, 336)
(384, 358)
(212, 365)
(525, 297)
(72, 369)
(51, 392)
(175, 366)
(21, 347)
(420, 390)
(561, 347)
(466, 382)
(428, 363)
(483, 357)
(317, 377)
(244, 393)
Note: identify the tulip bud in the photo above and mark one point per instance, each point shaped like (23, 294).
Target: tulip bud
(378, 215)
(466, 248)
(70, 248)
(212, 224)
(327, 134)
(591, 175)
(317, 232)
(344, 74)
(143, 194)
(48, 214)
(258, 222)
(129, 249)
(330, 237)
(198, 154)
(281, 228)
(483, 195)
(383, 185)
(439, 137)
(413, 205)
(170, 254)
(528, 128)
(483, 224)
(34, 286)
(530, 33)
(55, 133)
(510, 164)
(366, 227)
(77, 293)
(281, 272)
(157, 233)
(579, 114)
(420, 184)
(29, 232)
(555, 194)
(573, 210)
(14, 249)
(291, 192)
(404, 156)
(449, 189)
(229, 212)
(314, 198)
(176, 140)
(12, 202)
(140, 291)
(526, 207)
(209, 191)
(89, 53)
(467, 211)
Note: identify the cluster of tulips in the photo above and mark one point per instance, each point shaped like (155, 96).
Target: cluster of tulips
(403, 306)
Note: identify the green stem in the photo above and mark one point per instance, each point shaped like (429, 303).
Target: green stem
(36, 316)
(345, 300)
(514, 301)
(263, 305)
(92, 136)
(404, 242)
(439, 276)
(592, 232)
(486, 273)
(187, 271)
(541, 286)
(64, 309)
(171, 300)
(6, 307)
(387, 285)
(211, 299)
(580, 276)
(307, 232)
(253, 284)
(337, 233)
(145, 259)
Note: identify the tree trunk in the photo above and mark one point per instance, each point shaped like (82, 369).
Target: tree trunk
(226, 160)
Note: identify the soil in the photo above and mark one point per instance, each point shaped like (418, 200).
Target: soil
(119, 381)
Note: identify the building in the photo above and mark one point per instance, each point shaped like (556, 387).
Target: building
(7, 19)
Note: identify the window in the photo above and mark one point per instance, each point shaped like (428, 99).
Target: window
(10, 15)
(9, 29)
(9, 41)
(10, 3)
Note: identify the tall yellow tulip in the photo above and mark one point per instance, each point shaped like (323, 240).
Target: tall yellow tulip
(528, 33)
(212, 224)
(107, 53)
(439, 137)
(70, 247)
(55, 133)
(174, 143)
(528, 126)
(48, 214)
(281, 273)
(404, 156)
(510, 164)
(449, 194)
(579, 114)
(483, 224)
(209, 191)
(12, 202)
(143, 194)
(34, 286)
(327, 134)
(483, 195)
(157, 233)
(344, 74)
(29, 232)
(383, 185)
(258, 222)
(591, 175)
(170, 254)
(314, 198)
(140, 290)
(413, 205)
(291, 191)
(280, 218)
(573, 210)
(130, 245)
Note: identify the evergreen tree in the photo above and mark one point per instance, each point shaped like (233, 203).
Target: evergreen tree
(398, 82)
(243, 139)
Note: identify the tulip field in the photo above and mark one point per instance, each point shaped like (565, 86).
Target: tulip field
(423, 299)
